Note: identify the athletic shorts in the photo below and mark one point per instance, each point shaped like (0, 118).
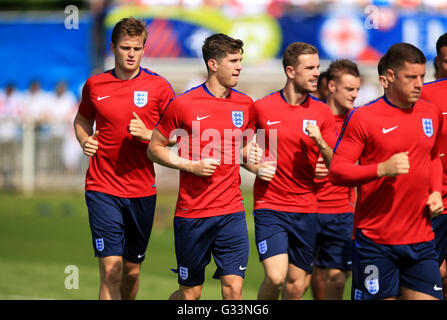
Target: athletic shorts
(224, 237)
(120, 226)
(334, 241)
(380, 270)
(291, 233)
(439, 225)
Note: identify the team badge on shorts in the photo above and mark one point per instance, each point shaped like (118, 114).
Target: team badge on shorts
(99, 244)
(372, 285)
(183, 272)
(238, 118)
(262, 247)
(305, 121)
(140, 98)
(427, 125)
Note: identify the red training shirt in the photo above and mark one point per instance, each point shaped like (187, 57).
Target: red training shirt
(120, 166)
(209, 127)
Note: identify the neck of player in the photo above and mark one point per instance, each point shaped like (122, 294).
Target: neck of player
(126, 74)
(294, 95)
(216, 88)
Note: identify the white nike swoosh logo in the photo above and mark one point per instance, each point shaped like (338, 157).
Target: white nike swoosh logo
(436, 288)
(385, 131)
(141, 255)
(201, 118)
(444, 113)
(269, 123)
(242, 268)
(100, 98)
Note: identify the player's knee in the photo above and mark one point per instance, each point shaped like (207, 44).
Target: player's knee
(232, 290)
(275, 279)
(337, 279)
(112, 273)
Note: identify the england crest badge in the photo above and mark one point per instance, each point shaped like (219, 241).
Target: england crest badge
(183, 272)
(427, 125)
(99, 244)
(305, 121)
(140, 98)
(262, 246)
(238, 118)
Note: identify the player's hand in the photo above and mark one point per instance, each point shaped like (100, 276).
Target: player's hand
(255, 152)
(138, 129)
(435, 204)
(321, 171)
(266, 170)
(90, 145)
(313, 132)
(204, 167)
(397, 164)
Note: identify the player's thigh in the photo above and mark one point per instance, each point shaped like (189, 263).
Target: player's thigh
(334, 241)
(375, 273)
(138, 220)
(275, 268)
(271, 233)
(194, 238)
(230, 247)
(106, 223)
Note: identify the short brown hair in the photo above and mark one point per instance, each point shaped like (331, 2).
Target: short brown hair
(129, 26)
(218, 45)
(340, 67)
(400, 53)
(294, 50)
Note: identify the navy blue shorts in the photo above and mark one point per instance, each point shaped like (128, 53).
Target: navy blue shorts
(380, 270)
(120, 226)
(334, 241)
(224, 237)
(292, 233)
(439, 225)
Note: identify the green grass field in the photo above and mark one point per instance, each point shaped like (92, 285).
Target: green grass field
(41, 235)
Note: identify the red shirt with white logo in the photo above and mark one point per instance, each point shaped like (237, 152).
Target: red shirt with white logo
(209, 127)
(435, 92)
(292, 188)
(121, 167)
(390, 210)
(334, 199)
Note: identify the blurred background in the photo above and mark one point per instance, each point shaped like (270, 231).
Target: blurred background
(48, 49)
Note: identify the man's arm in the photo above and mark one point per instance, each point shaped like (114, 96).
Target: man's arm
(326, 151)
(345, 172)
(84, 134)
(158, 152)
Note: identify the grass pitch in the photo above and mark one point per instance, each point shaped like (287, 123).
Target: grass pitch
(41, 235)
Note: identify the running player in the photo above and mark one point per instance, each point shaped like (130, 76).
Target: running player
(399, 179)
(209, 120)
(336, 203)
(126, 103)
(284, 201)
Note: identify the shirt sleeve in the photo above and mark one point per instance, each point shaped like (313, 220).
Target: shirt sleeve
(86, 107)
(350, 145)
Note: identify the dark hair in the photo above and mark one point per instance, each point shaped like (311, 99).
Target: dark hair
(400, 53)
(340, 67)
(129, 26)
(380, 67)
(442, 42)
(218, 45)
(294, 50)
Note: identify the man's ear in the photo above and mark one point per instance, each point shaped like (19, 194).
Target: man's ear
(290, 72)
(212, 65)
(112, 48)
(390, 76)
(331, 86)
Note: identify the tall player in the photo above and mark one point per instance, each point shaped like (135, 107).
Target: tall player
(210, 121)
(435, 93)
(126, 103)
(335, 203)
(399, 179)
(284, 201)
